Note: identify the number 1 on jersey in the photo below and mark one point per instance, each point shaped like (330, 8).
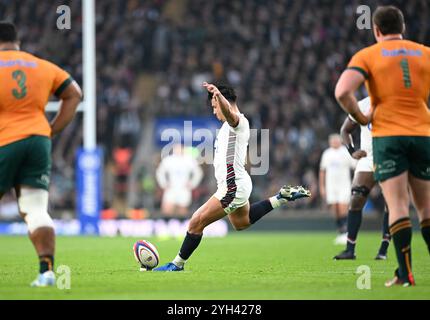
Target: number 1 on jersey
(406, 73)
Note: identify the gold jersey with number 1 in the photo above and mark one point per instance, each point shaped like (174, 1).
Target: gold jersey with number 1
(397, 76)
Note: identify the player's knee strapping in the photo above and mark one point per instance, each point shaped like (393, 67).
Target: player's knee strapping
(34, 204)
(361, 191)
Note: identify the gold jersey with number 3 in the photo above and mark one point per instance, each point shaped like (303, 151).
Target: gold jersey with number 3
(26, 83)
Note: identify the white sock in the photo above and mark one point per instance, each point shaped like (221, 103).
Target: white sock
(178, 261)
(275, 202)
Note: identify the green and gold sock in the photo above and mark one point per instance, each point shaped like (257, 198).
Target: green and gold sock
(401, 233)
(425, 231)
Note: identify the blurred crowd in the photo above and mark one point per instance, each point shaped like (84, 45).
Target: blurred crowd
(282, 56)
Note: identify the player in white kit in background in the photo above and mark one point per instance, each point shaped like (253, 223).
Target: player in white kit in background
(233, 181)
(178, 174)
(362, 184)
(335, 182)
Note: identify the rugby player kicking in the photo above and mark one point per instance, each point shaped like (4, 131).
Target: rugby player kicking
(234, 182)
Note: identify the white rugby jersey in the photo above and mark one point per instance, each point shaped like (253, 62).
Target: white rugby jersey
(178, 171)
(365, 131)
(337, 164)
(231, 146)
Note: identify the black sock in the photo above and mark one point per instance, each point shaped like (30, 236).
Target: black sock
(354, 223)
(401, 231)
(341, 224)
(259, 210)
(190, 243)
(425, 231)
(386, 237)
(46, 263)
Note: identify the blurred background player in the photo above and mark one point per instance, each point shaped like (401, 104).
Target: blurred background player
(178, 174)
(362, 184)
(234, 182)
(335, 183)
(397, 77)
(25, 138)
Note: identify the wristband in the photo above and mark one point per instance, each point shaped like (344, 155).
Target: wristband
(350, 148)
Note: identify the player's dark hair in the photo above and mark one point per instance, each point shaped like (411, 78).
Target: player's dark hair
(389, 20)
(227, 91)
(8, 32)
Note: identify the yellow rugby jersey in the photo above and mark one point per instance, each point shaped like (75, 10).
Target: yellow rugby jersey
(26, 83)
(397, 76)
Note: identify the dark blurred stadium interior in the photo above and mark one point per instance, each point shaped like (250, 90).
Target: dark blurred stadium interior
(283, 57)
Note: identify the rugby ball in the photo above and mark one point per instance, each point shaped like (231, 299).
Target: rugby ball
(146, 254)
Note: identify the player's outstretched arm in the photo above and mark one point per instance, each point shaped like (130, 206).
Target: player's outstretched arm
(349, 82)
(70, 99)
(231, 117)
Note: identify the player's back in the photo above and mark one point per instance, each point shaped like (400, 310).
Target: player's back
(231, 147)
(399, 85)
(26, 84)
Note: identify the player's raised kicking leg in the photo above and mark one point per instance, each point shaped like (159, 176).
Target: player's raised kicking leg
(241, 219)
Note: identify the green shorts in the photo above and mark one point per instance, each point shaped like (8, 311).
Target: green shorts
(394, 155)
(26, 162)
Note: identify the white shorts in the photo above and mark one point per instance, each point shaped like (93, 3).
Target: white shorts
(178, 196)
(235, 197)
(338, 194)
(364, 165)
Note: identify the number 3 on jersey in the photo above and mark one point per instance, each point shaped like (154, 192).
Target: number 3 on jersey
(20, 77)
(406, 73)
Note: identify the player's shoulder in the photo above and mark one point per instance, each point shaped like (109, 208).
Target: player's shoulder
(243, 118)
(243, 124)
(367, 51)
(23, 57)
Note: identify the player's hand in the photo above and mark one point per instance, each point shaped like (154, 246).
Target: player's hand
(212, 89)
(361, 118)
(357, 155)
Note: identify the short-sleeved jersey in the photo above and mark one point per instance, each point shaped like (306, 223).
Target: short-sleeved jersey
(26, 83)
(231, 148)
(397, 76)
(337, 164)
(365, 131)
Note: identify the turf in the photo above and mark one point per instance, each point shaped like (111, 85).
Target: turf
(241, 266)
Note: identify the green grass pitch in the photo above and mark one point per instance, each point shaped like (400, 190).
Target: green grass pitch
(244, 265)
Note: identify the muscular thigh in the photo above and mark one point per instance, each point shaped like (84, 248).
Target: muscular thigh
(240, 217)
(11, 158)
(420, 190)
(396, 196)
(364, 179)
(209, 212)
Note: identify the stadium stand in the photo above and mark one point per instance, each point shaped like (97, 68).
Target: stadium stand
(152, 57)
